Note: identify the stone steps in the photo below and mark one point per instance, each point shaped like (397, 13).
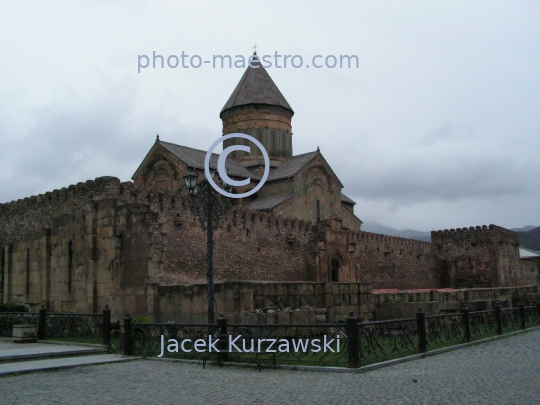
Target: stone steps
(19, 355)
(31, 366)
(19, 358)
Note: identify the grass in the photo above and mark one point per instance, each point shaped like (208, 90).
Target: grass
(91, 340)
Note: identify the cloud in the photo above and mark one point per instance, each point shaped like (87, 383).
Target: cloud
(80, 138)
(439, 123)
(447, 132)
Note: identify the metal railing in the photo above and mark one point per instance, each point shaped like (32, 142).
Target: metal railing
(352, 343)
(8, 319)
(61, 325)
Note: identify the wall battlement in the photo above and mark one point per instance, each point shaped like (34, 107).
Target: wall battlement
(105, 183)
(481, 256)
(394, 240)
(475, 234)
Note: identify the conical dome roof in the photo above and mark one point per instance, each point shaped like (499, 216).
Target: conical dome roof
(256, 87)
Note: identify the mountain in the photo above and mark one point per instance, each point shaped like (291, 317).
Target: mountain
(405, 233)
(529, 236)
(524, 229)
(530, 239)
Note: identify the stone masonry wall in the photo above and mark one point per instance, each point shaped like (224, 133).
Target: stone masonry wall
(187, 303)
(79, 248)
(248, 246)
(478, 257)
(107, 242)
(529, 274)
(380, 260)
(405, 304)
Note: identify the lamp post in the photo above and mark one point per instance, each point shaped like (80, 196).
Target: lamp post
(209, 207)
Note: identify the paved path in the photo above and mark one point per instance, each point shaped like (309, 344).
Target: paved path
(506, 371)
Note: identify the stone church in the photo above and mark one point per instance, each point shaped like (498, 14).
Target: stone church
(137, 247)
(300, 186)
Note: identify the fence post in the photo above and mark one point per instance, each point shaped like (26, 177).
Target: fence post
(522, 314)
(106, 325)
(421, 330)
(466, 322)
(128, 336)
(538, 308)
(222, 336)
(498, 317)
(42, 323)
(352, 338)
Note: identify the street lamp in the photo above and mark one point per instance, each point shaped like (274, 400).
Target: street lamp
(209, 207)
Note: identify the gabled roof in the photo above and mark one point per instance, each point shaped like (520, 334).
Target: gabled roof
(291, 166)
(256, 87)
(195, 158)
(346, 199)
(269, 202)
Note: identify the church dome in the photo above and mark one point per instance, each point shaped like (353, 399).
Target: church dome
(257, 108)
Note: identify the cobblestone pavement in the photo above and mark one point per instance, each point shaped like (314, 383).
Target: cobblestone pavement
(506, 371)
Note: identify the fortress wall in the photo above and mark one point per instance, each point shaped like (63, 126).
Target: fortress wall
(78, 248)
(529, 274)
(249, 245)
(381, 260)
(478, 256)
(113, 239)
(119, 242)
(393, 262)
(405, 304)
(20, 218)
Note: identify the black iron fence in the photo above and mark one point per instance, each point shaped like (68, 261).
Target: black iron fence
(350, 344)
(60, 325)
(323, 344)
(8, 319)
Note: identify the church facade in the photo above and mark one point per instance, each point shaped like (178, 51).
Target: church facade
(129, 244)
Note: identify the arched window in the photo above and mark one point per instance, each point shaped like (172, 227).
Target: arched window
(335, 265)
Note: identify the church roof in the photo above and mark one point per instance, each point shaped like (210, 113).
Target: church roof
(346, 199)
(291, 166)
(256, 87)
(269, 202)
(195, 158)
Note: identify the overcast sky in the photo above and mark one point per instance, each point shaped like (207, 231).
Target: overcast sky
(438, 127)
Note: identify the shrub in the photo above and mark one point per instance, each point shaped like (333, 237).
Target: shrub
(13, 308)
(141, 319)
